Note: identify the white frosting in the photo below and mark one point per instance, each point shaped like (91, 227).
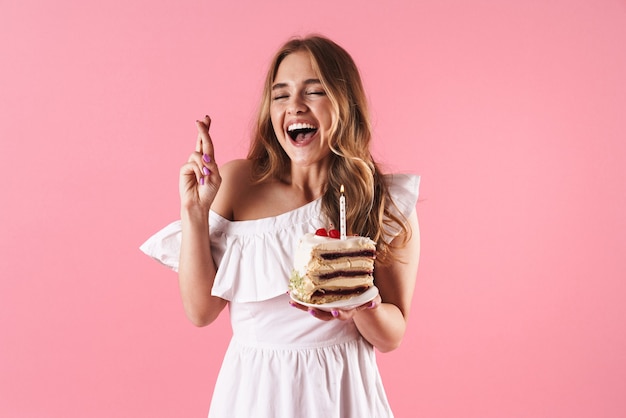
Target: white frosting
(311, 244)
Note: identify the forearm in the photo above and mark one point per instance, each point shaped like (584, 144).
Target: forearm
(196, 272)
(383, 326)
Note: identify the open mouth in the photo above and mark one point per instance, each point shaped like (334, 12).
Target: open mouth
(301, 132)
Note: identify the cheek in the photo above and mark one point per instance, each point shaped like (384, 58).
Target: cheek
(330, 120)
(276, 123)
(328, 115)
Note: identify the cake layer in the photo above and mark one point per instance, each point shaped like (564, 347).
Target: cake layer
(317, 267)
(348, 282)
(308, 290)
(332, 295)
(312, 246)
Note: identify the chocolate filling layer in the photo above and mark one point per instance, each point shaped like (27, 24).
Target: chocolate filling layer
(360, 253)
(355, 291)
(335, 274)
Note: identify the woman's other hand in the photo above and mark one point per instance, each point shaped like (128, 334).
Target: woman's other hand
(341, 314)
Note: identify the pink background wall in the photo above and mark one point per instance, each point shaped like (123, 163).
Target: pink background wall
(513, 113)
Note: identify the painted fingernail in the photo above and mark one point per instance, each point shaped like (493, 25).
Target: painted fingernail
(206, 158)
(312, 312)
(292, 304)
(372, 305)
(206, 171)
(202, 181)
(335, 313)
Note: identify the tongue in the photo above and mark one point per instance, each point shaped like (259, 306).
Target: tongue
(301, 137)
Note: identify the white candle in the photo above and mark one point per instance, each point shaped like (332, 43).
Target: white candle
(342, 215)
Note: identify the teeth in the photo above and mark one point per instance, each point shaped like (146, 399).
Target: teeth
(295, 126)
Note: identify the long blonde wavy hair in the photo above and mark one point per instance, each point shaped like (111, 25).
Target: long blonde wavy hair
(352, 165)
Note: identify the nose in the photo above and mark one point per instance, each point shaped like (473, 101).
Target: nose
(296, 105)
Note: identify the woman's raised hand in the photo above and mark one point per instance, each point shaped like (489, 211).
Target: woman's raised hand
(199, 177)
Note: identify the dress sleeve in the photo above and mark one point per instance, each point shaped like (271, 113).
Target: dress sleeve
(164, 246)
(247, 275)
(404, 191)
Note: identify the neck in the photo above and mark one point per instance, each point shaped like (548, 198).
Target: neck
(309, 181)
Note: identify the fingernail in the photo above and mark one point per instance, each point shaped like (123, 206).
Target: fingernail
(312, 312)
(206, 171)
(202, 181)
(335, 313)
(292, 304)
(206, 158)
(372, 305)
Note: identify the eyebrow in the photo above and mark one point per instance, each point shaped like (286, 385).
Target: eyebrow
(306, 83)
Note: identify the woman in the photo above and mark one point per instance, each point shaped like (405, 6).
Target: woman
(240, 224)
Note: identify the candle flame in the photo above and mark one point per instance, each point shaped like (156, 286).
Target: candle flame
(341, 189)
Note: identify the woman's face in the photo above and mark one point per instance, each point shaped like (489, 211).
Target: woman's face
(300, 111)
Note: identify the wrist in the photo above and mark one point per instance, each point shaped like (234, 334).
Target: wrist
(194, 214)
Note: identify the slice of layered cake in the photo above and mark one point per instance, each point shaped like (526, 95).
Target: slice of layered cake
(327, 269)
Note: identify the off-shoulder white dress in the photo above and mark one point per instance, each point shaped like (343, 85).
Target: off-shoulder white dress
(282, 362)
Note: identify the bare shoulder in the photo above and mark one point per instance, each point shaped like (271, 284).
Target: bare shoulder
(241, 198)
(237, 171)
(236, 180)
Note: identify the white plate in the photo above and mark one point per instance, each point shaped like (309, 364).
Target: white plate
(346, 304)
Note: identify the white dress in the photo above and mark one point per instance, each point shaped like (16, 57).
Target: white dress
(282, 362)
